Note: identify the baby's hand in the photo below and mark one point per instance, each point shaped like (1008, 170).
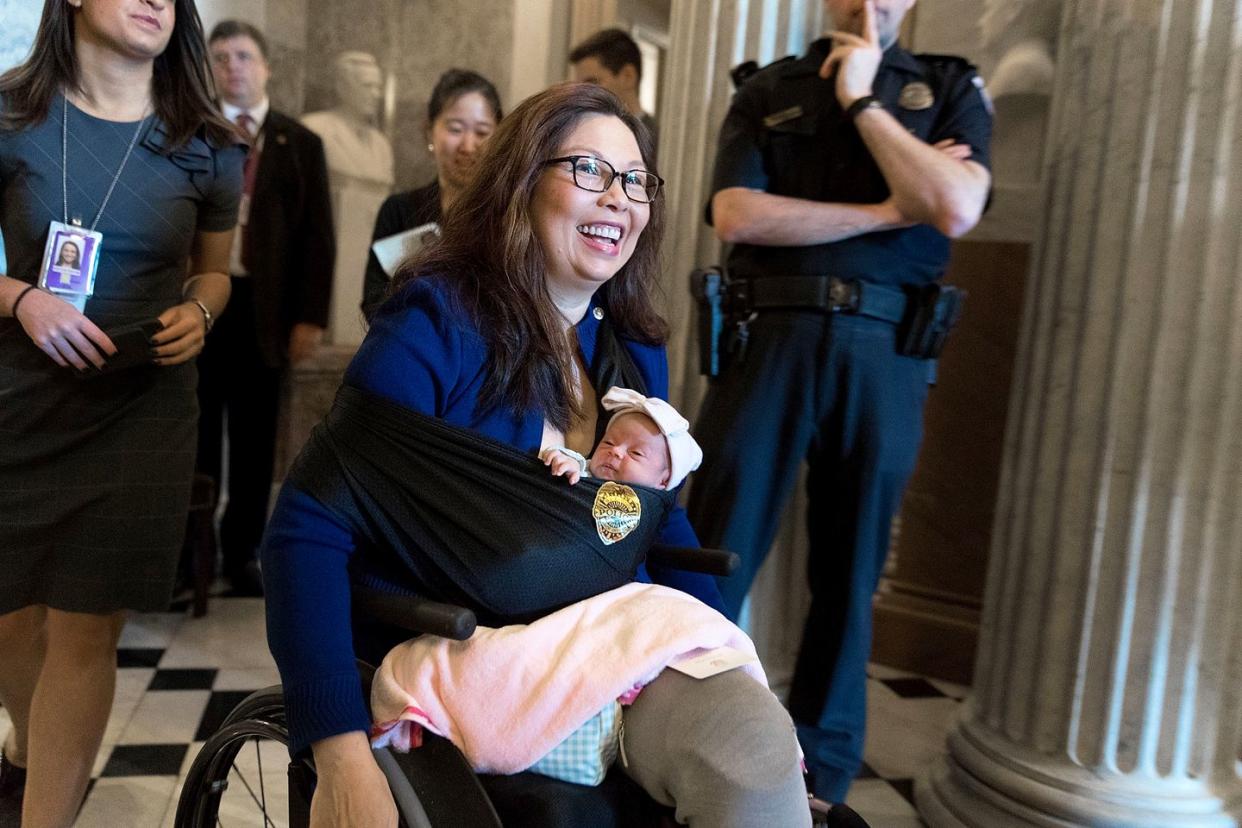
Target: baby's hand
(563, 466)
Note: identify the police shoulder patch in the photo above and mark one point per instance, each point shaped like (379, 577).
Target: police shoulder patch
(983, 93)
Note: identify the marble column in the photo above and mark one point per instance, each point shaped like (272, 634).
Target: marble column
(1110, 668)
(589, 16)
(707, 38)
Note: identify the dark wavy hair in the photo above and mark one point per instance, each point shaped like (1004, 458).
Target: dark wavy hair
(488, 249)
(181, 81)
(613, 48)
(457, 82)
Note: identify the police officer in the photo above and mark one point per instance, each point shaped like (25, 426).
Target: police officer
(839, 180)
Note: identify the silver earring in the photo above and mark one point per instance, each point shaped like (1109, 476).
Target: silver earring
(431, 148)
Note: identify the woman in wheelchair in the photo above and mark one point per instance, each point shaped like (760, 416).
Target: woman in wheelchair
(536, 300)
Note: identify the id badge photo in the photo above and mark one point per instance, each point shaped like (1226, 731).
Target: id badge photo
(70, 260)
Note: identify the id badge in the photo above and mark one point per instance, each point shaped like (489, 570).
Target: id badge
(70, 260)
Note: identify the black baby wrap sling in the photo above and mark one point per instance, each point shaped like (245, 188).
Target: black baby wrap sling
(468, 520)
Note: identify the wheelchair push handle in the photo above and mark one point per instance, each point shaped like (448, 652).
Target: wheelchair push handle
(692, 559)
(415, 614)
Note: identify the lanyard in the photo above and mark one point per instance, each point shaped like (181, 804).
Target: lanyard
(64, 165)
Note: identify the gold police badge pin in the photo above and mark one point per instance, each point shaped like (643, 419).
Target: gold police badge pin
(915, 96)
(617, 511)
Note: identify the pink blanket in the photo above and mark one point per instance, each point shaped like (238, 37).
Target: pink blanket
(507, 696)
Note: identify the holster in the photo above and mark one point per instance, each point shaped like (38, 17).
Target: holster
(709, 287)
(931, 312)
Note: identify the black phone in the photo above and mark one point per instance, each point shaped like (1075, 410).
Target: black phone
(133, 347)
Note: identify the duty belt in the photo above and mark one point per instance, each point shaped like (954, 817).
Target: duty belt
(830, 294)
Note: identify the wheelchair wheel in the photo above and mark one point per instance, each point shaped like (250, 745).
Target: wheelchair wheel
(242, 775)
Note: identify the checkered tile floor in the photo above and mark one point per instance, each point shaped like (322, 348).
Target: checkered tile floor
(179, 676)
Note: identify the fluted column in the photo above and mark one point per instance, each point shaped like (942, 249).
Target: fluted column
(707, 39)
(1108, 677)
(589, 16)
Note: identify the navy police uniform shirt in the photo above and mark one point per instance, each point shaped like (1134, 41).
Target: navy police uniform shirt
(787, 134)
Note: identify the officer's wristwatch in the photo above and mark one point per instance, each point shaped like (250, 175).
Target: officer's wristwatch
(865, 102)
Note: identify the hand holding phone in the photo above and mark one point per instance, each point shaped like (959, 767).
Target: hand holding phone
(133, 347)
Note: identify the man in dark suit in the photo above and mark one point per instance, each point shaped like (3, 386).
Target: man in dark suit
(282, 261)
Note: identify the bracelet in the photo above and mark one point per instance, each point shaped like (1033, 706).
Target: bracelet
(20, 297)
(865, 102)
(207, 318)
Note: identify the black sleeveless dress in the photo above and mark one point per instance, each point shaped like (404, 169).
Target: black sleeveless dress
(95, 473)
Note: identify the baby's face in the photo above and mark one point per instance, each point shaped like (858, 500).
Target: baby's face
(632, 450)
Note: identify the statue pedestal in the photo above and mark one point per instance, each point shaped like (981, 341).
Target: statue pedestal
(309, 389)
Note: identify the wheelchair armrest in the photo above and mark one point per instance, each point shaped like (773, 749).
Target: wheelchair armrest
(708, 561)
(415, 614)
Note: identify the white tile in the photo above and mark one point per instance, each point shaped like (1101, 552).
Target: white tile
(957, 691)
(231, 635)
(881, 805)
(130, 801)
(905, 735)
(879, 671)
(150, 630)
(190, 755)
(252, 678)
(166, 717)
(131, 686)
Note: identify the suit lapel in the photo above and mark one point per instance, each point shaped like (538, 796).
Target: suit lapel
(275, 142)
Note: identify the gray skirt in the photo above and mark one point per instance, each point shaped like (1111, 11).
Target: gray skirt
(94, 481)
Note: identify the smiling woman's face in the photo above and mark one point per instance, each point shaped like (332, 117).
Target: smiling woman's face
(587, 237)
(136, 28)
(457, 135)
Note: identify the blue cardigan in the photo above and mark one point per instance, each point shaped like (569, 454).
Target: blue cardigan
(424, 352)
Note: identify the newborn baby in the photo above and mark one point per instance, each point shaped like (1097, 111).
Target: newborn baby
(647, 442)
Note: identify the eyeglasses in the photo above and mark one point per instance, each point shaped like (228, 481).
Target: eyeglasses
(595, 175)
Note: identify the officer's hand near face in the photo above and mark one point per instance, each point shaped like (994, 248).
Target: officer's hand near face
(855, 59)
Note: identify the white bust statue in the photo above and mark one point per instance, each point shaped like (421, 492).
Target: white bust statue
(360, 175)
(1021, 36)
(354, 147)
(1020, 40)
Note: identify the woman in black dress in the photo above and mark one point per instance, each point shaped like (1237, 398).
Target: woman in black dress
(463, 113)
(112, 119)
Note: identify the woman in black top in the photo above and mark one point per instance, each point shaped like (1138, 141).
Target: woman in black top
(95, 470)
(462, 113)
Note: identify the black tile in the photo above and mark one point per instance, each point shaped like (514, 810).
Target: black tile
(128, 657)
(181, 604)
(905, 787)
(219, 706)
(866, 772)
(145, 760)
(913, 688)
(182, 680)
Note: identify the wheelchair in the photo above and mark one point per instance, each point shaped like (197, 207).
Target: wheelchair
(243, 775)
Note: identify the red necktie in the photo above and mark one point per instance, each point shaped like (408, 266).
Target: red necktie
(249, 173)
(252, 158)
